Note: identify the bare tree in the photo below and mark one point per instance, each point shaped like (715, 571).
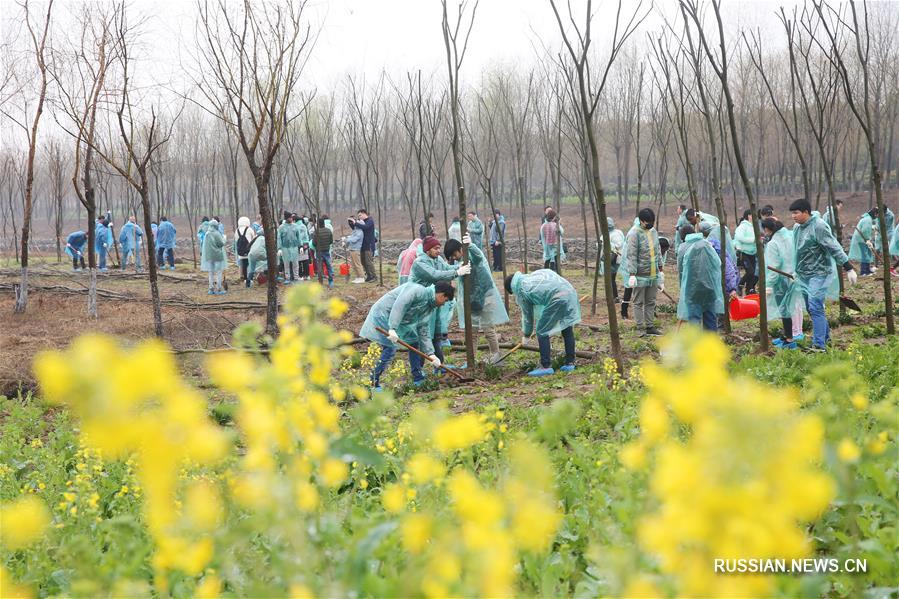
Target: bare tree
(719, 64)
(578, 45)
(253, 55)
(860, 33)
(454, 35)
(29, 122)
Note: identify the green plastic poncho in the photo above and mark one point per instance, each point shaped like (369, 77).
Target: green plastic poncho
(546, 299)
(700, 277)
(705, 217)
(476, 232)
(786, 291)
(257, 255)
(642, 257)
(487, 308)
(817, 254)
(406, 309)
(289, 241)
(864, 231)
(894, 243)
(213, 254)
(744, 238)
(888, 221)
(427, 271)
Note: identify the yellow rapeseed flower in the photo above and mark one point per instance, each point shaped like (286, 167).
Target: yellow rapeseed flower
(393, 498)
(333, 472)
(458, 432)
(415, 530)
(848, 451)
(23, 522)
(424, 468)
(859, 401)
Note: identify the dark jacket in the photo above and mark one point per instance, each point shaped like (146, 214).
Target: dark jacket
(425, 229)
(323, 238)
(368, 234)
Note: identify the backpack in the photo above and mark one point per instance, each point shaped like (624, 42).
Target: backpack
(702, 289)
(243, 244)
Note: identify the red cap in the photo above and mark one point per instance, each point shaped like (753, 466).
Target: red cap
(430, 242)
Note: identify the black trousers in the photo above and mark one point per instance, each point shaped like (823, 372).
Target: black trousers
(75, 261)
(497, 257)
(628, 292)
(788, 327)
(749, 279)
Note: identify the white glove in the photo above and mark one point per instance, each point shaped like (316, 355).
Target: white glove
(463, 270)
(466, 239)
(435, 361)
(391, 334)
(105, 245)
(769, 290)
(632, 281)
(852, 276)
(870, 245)
(524, 339)
(661, 287)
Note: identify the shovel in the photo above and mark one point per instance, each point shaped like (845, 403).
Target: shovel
(461, 377)
(507, 354)
(846, 302)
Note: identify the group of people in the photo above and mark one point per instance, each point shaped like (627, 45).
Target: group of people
(300, 241)
(418, 311)
(496, 234)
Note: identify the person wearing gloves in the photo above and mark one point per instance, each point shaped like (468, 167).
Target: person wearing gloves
(699, 267)
(622, 271)
(455, 230)
(784, 295)
(429, 268)
(212, 257)
(75, 244)
(475, 230)
(131, 238)
(616, 240)
(550, 238)
(695, 217)
(101, 243)
(407, 259)
(289, 241)
(405, 313)
(862, 247)
(257, 257)
(165, 243)
(487, 308)
(353, 243)
(243, 238)
(744, 243)
(817, 254)
(549, 305)
(643, 269)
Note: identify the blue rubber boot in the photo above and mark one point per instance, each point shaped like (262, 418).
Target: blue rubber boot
(567, 368)
(790, 345)
(799, 337)
(541, 372)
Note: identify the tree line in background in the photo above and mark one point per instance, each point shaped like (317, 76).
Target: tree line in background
(682, 112)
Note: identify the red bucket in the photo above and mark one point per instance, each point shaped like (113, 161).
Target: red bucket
(752, 297)
(311, 268)
(742, 308)
(344, 270)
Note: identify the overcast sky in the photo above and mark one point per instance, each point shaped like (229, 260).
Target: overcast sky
(366, 36)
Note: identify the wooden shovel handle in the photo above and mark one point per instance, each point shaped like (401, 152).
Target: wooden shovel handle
(508, 353)
(420, 353)
(780, 272)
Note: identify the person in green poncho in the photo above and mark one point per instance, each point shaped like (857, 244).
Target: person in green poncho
(289, 241)
(213, 256)
(861, 247)
(744, 243)
(475, 230)
(699, 266)
(642, 270)
(487, 308)
(428, 269)
(405, 313)
(786, 293)
(549, 305)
